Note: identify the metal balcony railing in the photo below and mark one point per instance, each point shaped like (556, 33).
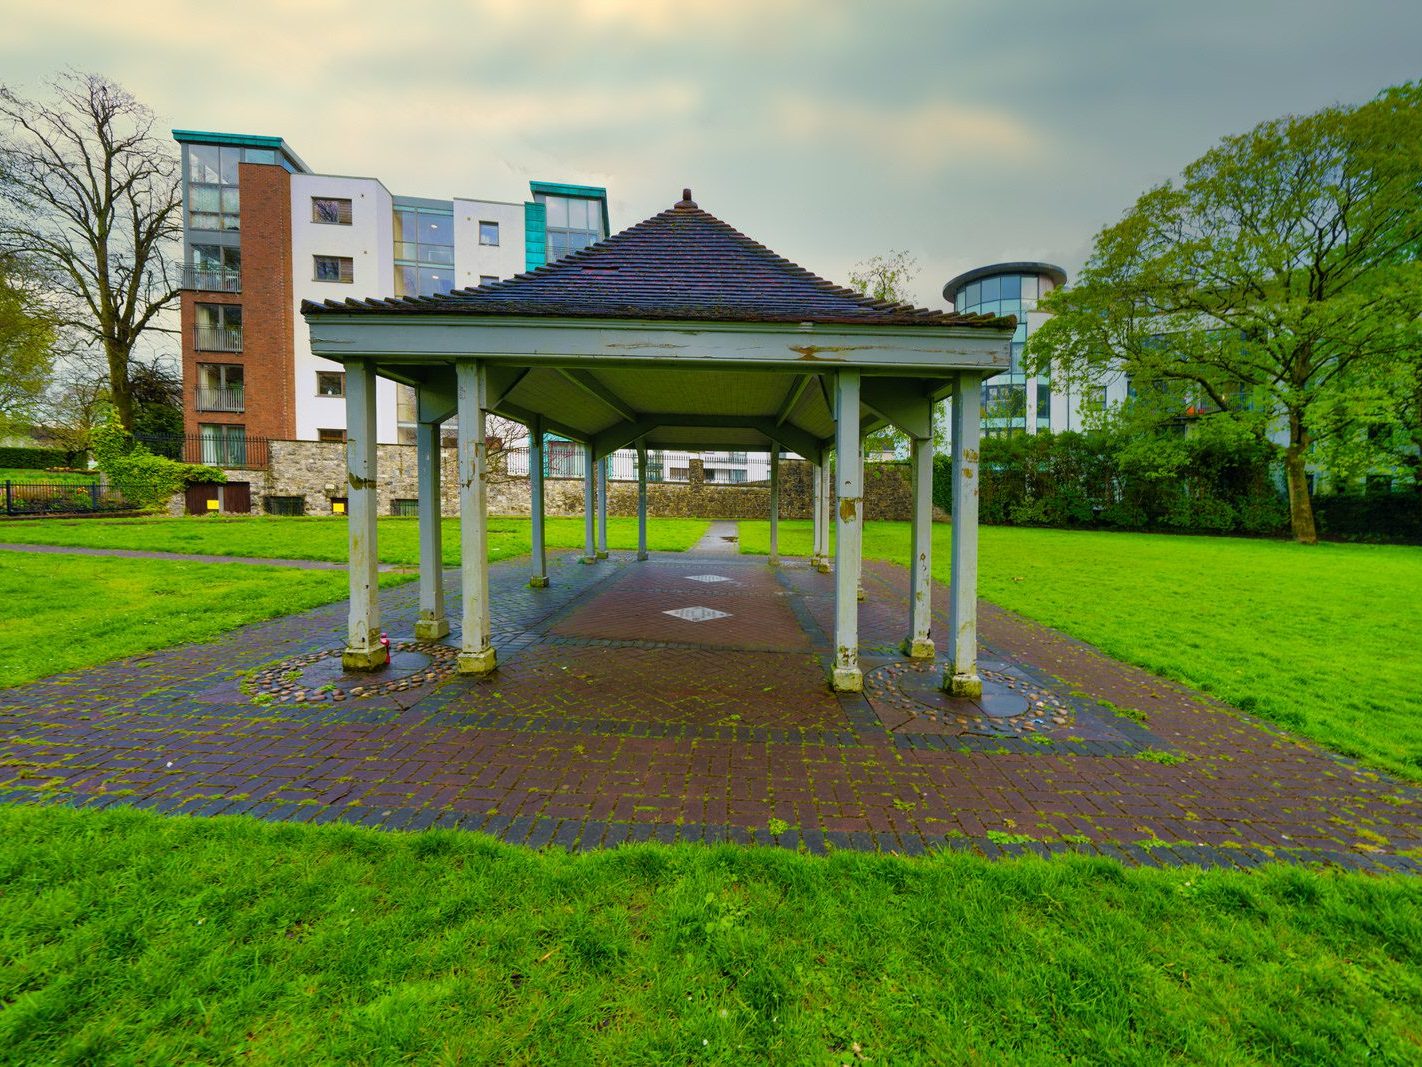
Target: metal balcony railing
(212, 279)
(217, 338)
(229, 399)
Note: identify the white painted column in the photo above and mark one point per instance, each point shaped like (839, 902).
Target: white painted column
(849, 506)
(476, 655)
(918, 645)
(363, 651)
(826, 513)
(859, 556)
(641, 500)
(589, 507)
(602, 507)
(775, 507)
(539, 578)
(432, 623)
(960, 677)
(817, 516)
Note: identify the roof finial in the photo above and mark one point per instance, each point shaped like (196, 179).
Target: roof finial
(686, 200)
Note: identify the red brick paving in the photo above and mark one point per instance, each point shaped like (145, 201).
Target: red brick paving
(604, 723)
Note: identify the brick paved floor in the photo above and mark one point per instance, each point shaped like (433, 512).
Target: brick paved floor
(610, 720)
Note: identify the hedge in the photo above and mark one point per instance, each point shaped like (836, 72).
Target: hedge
(1385, 517)
(1093, 481)
(33, 459)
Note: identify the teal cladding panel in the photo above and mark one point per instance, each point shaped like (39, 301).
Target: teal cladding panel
(535, 235)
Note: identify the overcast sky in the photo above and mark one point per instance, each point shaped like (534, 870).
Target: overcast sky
(965, 132)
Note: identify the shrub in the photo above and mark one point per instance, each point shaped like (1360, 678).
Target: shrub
(33, 459)
(145, 480)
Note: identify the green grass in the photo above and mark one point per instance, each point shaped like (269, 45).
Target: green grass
(18, 474)
(62, 612)
(325, 538)
(130, 937)
(1324, 639)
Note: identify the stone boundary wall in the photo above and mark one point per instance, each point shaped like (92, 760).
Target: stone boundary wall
(316, 472)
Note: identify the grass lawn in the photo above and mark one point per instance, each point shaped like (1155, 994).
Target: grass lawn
(63, 612)
(325, 538)
(18, 474)
(137, 938)
(1325, 640)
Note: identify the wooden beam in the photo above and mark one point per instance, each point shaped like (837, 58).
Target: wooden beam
(526, 416)
(897, 401)
(594, 388)
(792, 397)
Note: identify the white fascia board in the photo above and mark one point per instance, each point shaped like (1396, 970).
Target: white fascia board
(583, 342)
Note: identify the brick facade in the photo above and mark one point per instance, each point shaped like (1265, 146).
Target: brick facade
(267, 315)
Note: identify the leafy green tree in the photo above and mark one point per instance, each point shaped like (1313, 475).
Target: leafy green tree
(887, 278)
(26, 350)
(90, 198)
(1281, 263)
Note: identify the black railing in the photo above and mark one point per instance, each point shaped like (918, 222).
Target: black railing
(217, 338)
(212, 279)
(220, 399)
(224, 451)
(60, 498)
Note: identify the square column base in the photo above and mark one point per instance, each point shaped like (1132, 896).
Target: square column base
(538, 581)
(481, 662)
(823, 567)
(364, 659)
(587, 559)
(847, 680)
(431, 629)
(774, 562)
(918, 648)
(962, 685)
(642, 557)
(602, 553)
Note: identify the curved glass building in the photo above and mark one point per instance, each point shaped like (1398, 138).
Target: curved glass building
(1015, 402)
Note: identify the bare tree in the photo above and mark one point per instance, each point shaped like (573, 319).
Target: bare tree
(91, 200)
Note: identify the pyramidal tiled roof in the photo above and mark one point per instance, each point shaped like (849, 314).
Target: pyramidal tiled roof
(683, 263)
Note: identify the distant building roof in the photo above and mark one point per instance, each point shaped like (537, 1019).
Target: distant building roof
(683, 263)
(245, 140)
(1052, 271)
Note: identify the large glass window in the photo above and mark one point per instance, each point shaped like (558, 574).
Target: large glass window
(333, 269)
(223, 445)
(574, 223)
(213, 200)
(331, 210)
(220, 387)
(218, 327)
(424, 251)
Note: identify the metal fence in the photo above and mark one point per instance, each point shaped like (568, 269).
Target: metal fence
(60, 498)
(228, 450)
(564, 459)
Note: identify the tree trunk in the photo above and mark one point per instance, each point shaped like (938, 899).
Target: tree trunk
(1300, 506)
(119, 391)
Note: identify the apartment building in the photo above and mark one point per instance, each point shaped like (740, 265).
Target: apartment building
(262, 231)
(1015, 401)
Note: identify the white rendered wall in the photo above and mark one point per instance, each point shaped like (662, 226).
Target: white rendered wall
(369, 242)
(471, 259)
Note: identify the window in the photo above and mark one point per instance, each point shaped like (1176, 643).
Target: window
(337, 436)
(213, 201)
(284, 505)
(223, 445)
(488, 233)
(573, 223)
(488, 279)
(219, 387)
(330, 383)
(405, 506)
(424, 250)
(1094, 398)
(331, 210)
(219, 327)
(216, 268)
(334, 269)
(736, 475)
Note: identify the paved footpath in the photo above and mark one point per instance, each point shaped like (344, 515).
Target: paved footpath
(684, 699)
